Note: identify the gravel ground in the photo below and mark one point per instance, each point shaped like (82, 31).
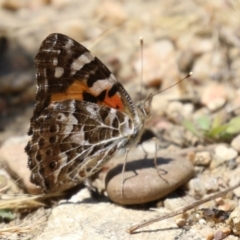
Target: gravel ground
(197, 119)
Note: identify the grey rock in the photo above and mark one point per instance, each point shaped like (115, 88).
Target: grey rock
(142, 181)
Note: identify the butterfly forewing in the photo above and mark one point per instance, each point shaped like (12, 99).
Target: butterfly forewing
(66, 70)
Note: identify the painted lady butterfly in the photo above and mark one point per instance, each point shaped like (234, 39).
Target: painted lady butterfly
(82, 115)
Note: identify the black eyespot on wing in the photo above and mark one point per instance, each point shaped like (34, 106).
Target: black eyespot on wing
(115, 123)
(52, 139)
(39, 158)
(113, 90)
(48, 152)
(98, 71)
(46, 183)
(102, 95)
(89, 97)
(104, 114)
(52, 165)
(41, 142)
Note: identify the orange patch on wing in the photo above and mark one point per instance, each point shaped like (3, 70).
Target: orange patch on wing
(114, 102)
(73, 92)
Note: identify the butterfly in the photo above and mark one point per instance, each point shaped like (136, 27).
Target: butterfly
(82, 115)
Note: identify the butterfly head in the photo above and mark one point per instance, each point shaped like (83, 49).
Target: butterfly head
(144, 108)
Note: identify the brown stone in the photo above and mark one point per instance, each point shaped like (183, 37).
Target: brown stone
(143, 182)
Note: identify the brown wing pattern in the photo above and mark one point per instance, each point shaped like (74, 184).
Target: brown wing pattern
(66, 70)
(82, 115)
(72, 140)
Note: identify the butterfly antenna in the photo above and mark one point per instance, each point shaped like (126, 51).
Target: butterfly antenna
(141, 50)
(152, 95)
(99, 38)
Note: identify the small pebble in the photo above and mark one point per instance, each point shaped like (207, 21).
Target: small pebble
(207, 232)
(202, 158)
(226, 230)
(181, 222)
(223, 154)
(228, 206)
(236, 143)
(193, 218)
(219, 201)
(216, 104)
(237, 192)
(174, 111)
(237, 160)
(232, 164)
(219, 235)
(234, 220)
(211, 184)
(214, 97)
(196, 188)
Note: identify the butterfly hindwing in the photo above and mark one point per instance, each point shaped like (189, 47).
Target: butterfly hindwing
(72, 140)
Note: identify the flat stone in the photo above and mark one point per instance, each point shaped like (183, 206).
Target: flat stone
(142, 181)
(99, 220)
(85, 218)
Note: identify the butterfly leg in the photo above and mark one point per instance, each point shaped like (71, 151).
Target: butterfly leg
(123, 170)
(156, 164)
(144, 150)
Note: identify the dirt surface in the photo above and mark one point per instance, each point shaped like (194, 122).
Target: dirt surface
(197, 118)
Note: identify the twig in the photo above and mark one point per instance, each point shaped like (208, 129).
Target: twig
(182, 209)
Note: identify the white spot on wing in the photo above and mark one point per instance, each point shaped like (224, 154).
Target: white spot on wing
(113, 111)
(45, 72)
(72, 120)
(69, 44)
(112, 78)
(55, 61)
(99, 86)
(78, 137)
(58, 72)
(47, 50)
(78, 63)
(91, 110)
